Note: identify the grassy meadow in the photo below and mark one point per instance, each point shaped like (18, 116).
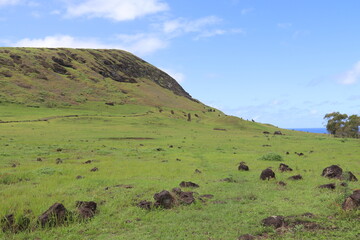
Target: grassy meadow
(154, 150)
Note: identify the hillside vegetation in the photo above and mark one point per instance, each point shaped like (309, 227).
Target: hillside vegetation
(120, 155)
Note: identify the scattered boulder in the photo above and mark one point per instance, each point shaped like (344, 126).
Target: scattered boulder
(349, 176)
(278, 133)
(343, 184)
(85, 209)
(328, 186)
(352, 202)
(296, 177)
(266, 132)
(188, 184)
(334, 171)
(186, 197)
(79, 177)
(267, 174)
(197, 171)
(110, 103)
(228, 179)
(58, 161)
(284, 168)
(145, 205)
(87, 162)
(95, 169)
(164, 199)
(39, 159)
(281, 183)
(243, 167)
(274, 221)
(8, 223)
(55, 215)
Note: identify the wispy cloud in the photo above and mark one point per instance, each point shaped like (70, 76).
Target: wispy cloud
(182, 26)
(114, 9)
(352, 76)
(141, 44)
(246, 11)
(8, 2)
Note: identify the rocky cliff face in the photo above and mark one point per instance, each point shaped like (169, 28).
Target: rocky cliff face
(37, 70)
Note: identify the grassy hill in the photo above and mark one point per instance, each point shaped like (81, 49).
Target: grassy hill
(141, 147)
(63, 77)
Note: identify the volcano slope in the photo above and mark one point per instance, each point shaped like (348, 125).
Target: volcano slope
(142, 146)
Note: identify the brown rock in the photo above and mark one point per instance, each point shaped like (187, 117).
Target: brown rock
(164, 199)
(284, 168)
(296, 177)
(243, 167)
(86, 209)
(188, 184)
(352, 202)
(145, 205)
(334, 171)
(274, 221)
(267, 174)
(55, 215)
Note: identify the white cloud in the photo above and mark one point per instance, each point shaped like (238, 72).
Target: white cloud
(181, 26)
(8, 2)
(352, 76)
(246, 11)
(140, 44)
(118, 10)
(179, 77)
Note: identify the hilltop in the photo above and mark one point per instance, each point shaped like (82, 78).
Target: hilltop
(62, 77)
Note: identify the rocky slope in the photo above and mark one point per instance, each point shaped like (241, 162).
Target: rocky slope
(73, 76)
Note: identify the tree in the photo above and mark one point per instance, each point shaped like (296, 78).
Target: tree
(342, 125)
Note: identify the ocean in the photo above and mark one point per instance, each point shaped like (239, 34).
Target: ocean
(311, 130)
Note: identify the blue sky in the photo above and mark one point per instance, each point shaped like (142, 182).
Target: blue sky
(282, 62)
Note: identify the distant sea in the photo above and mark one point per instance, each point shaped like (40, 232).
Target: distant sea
(311, 130)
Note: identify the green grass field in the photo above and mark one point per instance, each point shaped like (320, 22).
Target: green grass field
(122, 142)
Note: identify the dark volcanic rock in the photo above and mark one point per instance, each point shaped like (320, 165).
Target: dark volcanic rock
(284, 168)
(95, 169)
(267, 174)
(274, 221)
(187, 197)
(328, 186)
(243, 167)
(334, 171)
(188, 184)
(278, 133)
(164, 199)
(55, 215)
(296, 177)
(145, 205)
(86, 209)
(281, 183)
(352, 202)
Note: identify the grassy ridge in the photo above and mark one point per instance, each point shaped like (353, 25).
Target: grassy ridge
(123, 140)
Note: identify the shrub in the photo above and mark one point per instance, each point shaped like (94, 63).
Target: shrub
(271, 157)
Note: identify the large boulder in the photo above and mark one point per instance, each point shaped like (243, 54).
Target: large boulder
(349, 176)
(334, 171)
(274, 221)
(352, 202)
(267, 174)
(164, 199)
(55, 215)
